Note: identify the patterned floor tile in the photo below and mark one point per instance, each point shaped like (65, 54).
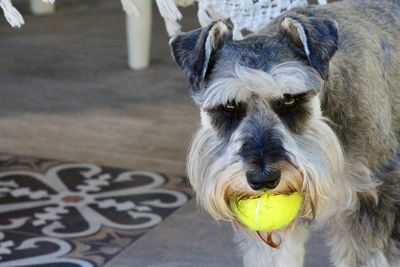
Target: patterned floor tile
(77, 214)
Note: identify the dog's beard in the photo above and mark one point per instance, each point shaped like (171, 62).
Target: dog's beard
(217, 173)
(214, 173)
(321, 160)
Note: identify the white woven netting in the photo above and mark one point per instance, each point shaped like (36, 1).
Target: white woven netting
(250, 15)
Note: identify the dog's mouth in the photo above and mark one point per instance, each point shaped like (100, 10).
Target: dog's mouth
(291, 182)
(270, 237)
(244, 195)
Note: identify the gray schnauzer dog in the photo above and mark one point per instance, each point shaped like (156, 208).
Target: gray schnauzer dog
(310, 104)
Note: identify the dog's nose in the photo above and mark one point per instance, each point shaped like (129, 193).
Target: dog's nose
(267, 179)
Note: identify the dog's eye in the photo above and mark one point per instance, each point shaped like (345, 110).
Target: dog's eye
(230, 107)
(289, 101)
(226, 117)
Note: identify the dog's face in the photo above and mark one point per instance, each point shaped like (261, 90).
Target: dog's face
(262, 126)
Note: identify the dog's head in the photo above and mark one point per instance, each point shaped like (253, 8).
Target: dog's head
(262, 124)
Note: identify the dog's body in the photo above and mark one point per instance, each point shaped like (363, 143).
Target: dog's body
(311, 104)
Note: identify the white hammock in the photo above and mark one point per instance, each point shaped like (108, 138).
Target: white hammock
(250, 15)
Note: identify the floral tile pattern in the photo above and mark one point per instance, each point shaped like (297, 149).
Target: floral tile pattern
(76, 214)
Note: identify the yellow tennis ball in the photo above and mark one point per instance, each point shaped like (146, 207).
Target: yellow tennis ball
(267, 212)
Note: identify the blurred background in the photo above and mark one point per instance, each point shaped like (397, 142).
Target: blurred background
(67, 91)
(92, 153)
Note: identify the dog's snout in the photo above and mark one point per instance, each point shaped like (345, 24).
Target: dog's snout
(264, 180)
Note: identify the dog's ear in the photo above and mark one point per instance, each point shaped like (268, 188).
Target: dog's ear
(318, 38)
(192, 51)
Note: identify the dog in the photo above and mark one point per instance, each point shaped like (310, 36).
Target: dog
(311, 104)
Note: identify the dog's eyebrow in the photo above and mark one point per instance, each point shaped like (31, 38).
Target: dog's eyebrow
(286, 78)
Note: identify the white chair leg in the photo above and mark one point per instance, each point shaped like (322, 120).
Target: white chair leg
(139, 36)
(38, 7)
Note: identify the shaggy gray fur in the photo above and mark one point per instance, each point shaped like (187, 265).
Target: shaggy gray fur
(347, 54)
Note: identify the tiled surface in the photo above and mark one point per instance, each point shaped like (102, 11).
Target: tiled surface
(76, 214)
